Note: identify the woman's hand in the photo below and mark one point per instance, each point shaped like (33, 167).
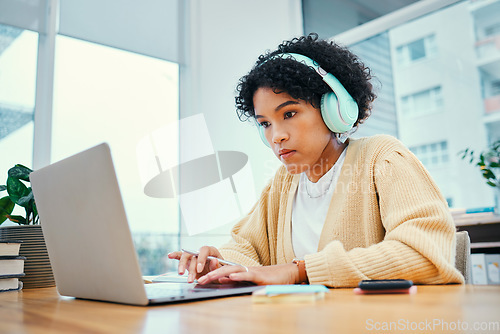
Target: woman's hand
(277, 274)
(197, 266)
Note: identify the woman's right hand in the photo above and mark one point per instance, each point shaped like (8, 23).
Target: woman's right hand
(197, 266)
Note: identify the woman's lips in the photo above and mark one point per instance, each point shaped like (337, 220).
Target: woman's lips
(285, 154)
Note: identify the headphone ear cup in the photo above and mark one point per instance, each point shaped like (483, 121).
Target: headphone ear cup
(338, 119)
(262, 135)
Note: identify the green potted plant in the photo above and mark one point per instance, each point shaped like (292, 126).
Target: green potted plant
(18, 193)
(26, 228)
(488, 162)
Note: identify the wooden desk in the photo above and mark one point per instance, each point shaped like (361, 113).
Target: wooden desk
(435, 309)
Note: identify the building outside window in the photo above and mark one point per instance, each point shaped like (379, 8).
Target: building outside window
(423, 48)
(421, 103)
(441, 70)
(446, 92)
(492, 30)
(432, 155)
(495, 87)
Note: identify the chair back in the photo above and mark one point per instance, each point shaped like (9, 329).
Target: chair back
(462, 256)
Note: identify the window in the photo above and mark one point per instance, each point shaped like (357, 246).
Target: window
(492, 30)
(432, 155)
(102, 94)
(18, 60)
(417, 50)
(422, 75)
(421, 103)
(495, 88)
(376, 54)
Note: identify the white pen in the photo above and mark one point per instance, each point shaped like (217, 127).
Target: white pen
(221, 261)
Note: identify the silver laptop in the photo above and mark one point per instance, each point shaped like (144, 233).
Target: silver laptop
(88, 237)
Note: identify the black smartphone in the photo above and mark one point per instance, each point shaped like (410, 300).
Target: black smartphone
(385, 284)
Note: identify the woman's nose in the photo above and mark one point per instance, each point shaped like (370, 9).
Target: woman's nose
(280, 134)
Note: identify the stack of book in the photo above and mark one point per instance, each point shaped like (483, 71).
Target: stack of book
(474, 216)
(485, 259)
(485, 268)
(11, 265)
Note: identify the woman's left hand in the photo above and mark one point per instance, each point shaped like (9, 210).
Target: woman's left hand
(277, 274)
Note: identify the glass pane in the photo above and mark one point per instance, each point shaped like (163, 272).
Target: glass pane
(492, 30)
(453, 113)
(376, 53)
(430, 46)
(417, 50)
(401, 55)
(103, 94)
(18, 61)
(421, 101)
(331, 17)
(437, 97)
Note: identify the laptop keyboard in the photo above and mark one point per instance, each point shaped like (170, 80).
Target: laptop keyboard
(158, 290)
(182, 291)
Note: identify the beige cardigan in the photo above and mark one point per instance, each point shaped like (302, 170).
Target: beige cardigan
(387, 219)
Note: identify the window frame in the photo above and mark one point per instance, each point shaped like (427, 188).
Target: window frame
(435, 102)
(391, 20)
(435, 150)
(404, 52)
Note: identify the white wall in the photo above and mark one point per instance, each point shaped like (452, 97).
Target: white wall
(225, 38)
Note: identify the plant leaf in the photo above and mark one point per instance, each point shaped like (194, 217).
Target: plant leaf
(28, 214)
(488, 174)
(2, 188)
(25, 201)
(35, 213)
(20, 172)
(6, 208)
(16, 189)
(17, 219)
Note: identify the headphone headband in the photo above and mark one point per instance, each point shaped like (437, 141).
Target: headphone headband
(301, 59)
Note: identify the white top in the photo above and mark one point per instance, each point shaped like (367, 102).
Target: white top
(310, 207)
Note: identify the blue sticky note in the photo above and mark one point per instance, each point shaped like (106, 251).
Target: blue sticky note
(294, 288)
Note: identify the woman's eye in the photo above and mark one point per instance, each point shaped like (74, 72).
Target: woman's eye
(289, 114)
(264, 124)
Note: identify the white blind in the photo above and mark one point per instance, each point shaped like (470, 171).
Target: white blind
(149, 27)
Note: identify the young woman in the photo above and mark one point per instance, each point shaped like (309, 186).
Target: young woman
(339, 210)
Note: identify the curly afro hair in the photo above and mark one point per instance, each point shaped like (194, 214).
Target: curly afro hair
(302, 82)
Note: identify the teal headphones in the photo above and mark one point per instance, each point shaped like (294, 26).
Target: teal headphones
(338, 108)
